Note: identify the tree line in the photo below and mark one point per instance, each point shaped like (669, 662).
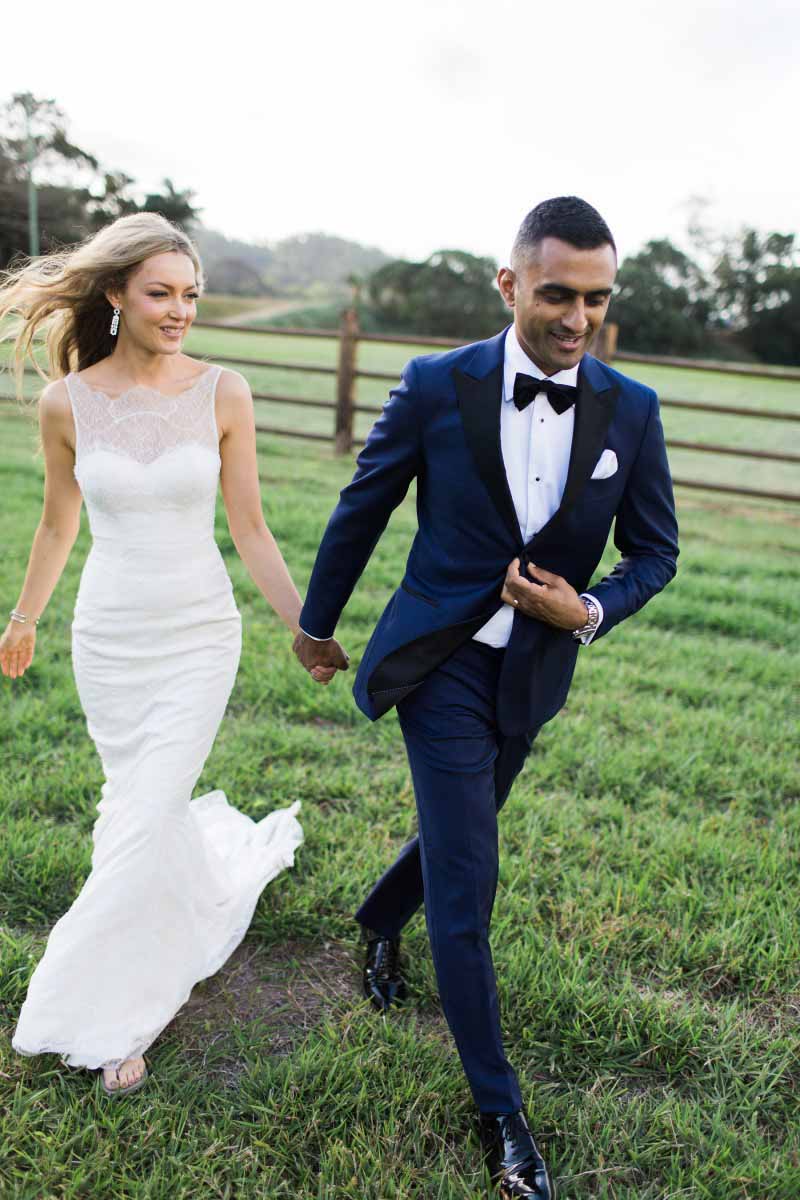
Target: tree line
(733, 296)
(745, 303)
(74, 194)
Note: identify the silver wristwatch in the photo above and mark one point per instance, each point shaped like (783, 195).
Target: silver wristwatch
(593, 619)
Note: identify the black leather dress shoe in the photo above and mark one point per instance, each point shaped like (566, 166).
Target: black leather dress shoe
(513, 1158)
(382, 982)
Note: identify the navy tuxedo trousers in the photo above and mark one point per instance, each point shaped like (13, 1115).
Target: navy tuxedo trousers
(462, 768)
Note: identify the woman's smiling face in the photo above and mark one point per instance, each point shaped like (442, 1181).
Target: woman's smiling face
(159, 302)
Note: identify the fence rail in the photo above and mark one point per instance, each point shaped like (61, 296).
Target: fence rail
(730, 410)
(347, 375)
(750, 370)
(735, 491)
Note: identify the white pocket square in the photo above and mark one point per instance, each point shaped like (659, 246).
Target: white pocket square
(606, 465)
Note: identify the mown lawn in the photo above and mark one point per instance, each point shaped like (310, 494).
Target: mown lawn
(645, 932)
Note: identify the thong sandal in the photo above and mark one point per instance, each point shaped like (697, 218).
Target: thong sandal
(122, 1091)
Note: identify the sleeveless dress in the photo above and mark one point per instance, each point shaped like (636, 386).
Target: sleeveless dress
(155, 645)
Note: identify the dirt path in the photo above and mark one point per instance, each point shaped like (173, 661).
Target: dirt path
(272, 308)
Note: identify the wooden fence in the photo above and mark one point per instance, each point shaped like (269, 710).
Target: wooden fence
(347, 372)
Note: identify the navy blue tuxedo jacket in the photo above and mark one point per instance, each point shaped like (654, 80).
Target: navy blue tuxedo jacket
(442, 426)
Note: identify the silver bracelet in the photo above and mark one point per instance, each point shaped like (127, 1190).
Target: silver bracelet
(21, 619)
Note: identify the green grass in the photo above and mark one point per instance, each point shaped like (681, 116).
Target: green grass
(645, 933)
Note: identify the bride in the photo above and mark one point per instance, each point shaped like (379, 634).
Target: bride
(142, 433)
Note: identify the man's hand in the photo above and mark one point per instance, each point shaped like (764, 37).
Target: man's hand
(321, 659)
(548, 597)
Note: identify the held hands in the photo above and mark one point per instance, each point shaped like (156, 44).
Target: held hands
(321, 659)
(549, 597)
(16, 649)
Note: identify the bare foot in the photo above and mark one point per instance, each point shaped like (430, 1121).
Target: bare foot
(127, 1073)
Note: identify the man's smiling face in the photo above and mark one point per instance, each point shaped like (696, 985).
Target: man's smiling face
(560, 297)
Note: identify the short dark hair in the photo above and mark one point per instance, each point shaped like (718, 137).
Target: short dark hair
(566, 217)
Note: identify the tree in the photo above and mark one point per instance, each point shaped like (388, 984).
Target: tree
(13, 208)
(758, 283)
(36, 130)
(62, 213)
(33, 139)
(53, 192)
(750, 269)
(451, 294)
(662, 302)
(774, 329)
(111, 198)
(117, 200)
(176, 206)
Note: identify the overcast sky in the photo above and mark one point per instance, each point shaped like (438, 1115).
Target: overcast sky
(418, 125)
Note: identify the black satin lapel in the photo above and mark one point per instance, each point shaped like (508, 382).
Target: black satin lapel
(593, 414)
(479, 402)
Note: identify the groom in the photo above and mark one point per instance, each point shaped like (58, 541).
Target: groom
(526, 450)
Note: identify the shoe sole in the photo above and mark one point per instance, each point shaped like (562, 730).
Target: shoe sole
(115, 1093)
(505, 1195)
(397, 1002)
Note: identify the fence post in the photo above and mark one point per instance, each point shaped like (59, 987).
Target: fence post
(346, 381)
(605, 344)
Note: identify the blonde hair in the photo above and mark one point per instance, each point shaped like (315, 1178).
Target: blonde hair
(63, 294)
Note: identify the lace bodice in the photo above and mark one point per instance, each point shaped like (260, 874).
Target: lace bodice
(142, 423)
(147, 464)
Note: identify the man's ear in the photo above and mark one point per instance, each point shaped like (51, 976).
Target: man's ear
(506, 282)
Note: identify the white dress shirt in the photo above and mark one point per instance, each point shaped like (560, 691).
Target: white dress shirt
(536, 445)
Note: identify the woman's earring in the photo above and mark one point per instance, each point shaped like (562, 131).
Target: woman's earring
(115, 323)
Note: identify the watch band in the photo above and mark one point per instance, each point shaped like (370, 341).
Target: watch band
(593, 619)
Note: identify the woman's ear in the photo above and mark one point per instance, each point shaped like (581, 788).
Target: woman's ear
(115, 292)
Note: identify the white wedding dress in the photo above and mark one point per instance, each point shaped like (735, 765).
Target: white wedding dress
(156, 643)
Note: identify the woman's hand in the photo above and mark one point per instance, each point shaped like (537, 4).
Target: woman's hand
(16, 649)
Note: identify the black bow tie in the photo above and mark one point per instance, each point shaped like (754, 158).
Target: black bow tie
(561, 395)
